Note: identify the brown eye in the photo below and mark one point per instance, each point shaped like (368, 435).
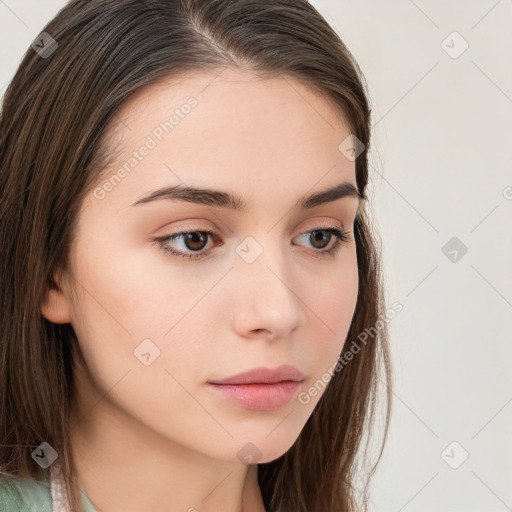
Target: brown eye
(319, 237)
(195, 241)
(191, 244)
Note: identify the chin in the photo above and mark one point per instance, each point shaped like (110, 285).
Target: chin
(262, 447)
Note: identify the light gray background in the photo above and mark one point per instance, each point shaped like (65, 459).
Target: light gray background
(441, 165)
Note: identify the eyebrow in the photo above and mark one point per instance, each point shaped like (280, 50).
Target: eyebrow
(220, 199)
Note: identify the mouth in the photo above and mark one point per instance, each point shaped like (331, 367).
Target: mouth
(260, 389)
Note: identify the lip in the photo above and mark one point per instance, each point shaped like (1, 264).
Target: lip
(262, 375)
(260, 389)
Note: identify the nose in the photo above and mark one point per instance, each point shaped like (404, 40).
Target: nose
(267, 301)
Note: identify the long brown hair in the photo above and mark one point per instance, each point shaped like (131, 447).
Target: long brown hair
(53, 147)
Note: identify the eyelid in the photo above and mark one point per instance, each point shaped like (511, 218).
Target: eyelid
(160, 242)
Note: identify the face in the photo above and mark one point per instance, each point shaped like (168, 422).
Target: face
(160, 314)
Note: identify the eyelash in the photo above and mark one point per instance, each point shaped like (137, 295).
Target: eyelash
(341, 236)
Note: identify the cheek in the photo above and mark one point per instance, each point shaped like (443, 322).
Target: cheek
(333, 306)
(127, 297)
(121, 330)
(134, 316)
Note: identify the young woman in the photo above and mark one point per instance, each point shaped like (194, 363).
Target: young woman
(192, 308)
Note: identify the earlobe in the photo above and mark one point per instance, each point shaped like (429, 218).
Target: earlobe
(56, 307)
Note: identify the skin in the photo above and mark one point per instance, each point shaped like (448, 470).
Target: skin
(156, 437)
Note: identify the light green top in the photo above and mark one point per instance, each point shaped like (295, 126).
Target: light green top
(24, 495)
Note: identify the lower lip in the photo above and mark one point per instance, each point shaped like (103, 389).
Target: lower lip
(259, 397)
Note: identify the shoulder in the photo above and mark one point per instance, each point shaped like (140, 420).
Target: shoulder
(24, 495)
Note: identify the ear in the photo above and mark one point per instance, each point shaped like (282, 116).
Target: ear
(56, 307)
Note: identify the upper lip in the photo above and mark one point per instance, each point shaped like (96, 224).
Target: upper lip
(262, 375)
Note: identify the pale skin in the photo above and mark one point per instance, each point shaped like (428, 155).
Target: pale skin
(155, 437)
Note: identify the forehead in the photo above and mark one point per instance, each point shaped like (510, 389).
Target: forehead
(229, 89)
(228, 130)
